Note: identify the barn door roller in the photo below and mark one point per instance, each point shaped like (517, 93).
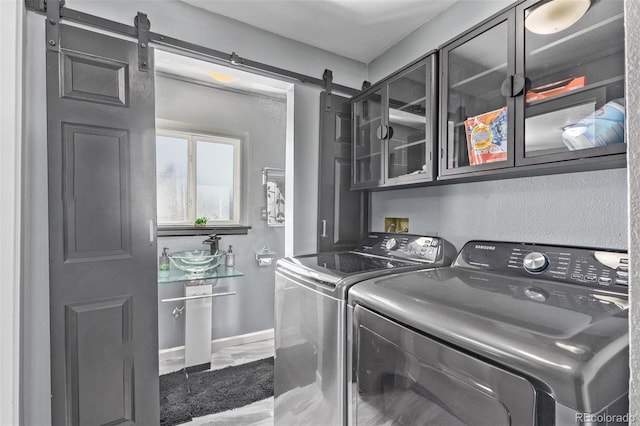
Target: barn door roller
(143, 25)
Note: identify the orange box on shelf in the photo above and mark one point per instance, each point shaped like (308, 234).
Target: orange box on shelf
(487, 137)
(553, 89)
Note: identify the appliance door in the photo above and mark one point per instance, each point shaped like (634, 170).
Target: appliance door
(401, 377)
(310, 353)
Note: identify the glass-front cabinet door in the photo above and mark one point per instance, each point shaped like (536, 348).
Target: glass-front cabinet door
(369, 128)
(476, 129)
(394, 128)
(573, 105)
(410, 130)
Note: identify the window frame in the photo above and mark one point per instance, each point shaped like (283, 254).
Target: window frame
(192, 137)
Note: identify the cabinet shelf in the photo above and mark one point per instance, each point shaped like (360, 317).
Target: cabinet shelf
(577, 34)
(574, 92)
(368, 122)
(407, 145)
(400, 106)
(475, 77)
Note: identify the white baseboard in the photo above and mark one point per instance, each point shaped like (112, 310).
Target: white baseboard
(217, 344)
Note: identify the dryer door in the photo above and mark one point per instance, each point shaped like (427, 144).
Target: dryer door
(401, 377)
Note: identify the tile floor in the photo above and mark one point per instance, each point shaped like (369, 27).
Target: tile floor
(259, 413)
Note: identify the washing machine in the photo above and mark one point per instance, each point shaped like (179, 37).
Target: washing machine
(510, 334)
(310, 326)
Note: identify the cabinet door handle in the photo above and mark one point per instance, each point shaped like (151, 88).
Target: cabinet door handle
(513, 86)
(152, 231)
(324, 229)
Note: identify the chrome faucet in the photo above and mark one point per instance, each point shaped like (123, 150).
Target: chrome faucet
(213, 240)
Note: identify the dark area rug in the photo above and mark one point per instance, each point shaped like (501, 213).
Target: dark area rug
(183, 396)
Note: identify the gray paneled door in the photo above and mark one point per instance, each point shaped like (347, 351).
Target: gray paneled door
(102, 209)
(342, 213)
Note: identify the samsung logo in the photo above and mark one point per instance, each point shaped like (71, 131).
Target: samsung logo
(483, 247)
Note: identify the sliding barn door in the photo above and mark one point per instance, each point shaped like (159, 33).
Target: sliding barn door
(102, 209)
(342, 213)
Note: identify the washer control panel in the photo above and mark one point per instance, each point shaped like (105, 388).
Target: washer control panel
(411, 247)
(599, 268)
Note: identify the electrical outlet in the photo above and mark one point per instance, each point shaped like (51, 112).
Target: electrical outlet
(263, 213)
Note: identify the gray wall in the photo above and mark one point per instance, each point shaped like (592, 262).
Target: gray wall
(632, 22)
(458, 18)
(186, 22)
(35, 404)
(586, 208)
(260, 122)
(306, 157)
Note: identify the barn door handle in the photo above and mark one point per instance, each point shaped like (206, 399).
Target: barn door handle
(324, 228)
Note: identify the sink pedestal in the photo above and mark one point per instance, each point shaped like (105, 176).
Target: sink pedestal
(197, 342)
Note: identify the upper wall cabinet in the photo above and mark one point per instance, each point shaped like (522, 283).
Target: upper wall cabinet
(395, 128)
(520, 93)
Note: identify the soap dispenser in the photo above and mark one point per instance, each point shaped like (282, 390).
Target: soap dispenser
(231, 258)
(164, 264)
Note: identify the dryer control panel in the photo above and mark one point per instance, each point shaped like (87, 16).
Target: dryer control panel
(418, 248)
(601, 268)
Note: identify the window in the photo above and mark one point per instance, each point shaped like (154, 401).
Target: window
(197, 175)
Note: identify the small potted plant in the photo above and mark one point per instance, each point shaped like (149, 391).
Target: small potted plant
(201, 221)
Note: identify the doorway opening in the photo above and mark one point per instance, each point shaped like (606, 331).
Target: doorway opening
(204, 111)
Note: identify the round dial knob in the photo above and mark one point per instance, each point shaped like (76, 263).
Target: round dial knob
(391, 244)
(535, 262)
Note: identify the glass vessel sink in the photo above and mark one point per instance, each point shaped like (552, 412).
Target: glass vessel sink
(196, 261)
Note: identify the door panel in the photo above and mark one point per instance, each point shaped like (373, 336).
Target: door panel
(342, 213)
(96, 161)
(103, 284)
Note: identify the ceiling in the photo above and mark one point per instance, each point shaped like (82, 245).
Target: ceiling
(220, 76)
(358, 29)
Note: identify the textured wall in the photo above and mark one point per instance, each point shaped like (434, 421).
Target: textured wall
(575, 209)
(260, 122)
(306, 157)
(632, 23)
(195, 25)
(35, 389)
(461, 16)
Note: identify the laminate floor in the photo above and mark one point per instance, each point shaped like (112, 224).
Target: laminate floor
(259, 413)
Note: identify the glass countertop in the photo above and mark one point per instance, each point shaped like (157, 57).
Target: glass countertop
(179, 276)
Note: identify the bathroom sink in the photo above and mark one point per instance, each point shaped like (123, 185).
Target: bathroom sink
(196, 261)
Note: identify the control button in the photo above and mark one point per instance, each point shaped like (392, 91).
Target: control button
(624, 260)
(536, 294)
(576, 276)
(391, 244)
(604, 280)
(622, 274)
(623, 268)
(591, 277)
(434, 242)
(535, 262)
(430, 251)
(622, 282)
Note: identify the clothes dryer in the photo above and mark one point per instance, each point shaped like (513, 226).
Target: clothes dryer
(510, 334)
